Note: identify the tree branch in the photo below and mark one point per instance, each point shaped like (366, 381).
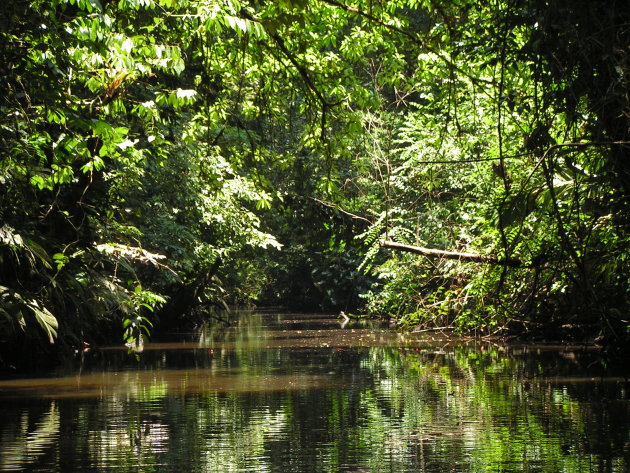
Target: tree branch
(303, 71)
(339, 209)
(469, 257)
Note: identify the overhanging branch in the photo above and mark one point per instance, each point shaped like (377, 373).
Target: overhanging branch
(302, 70)
(469, 257)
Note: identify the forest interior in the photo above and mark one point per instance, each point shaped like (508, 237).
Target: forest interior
(454, 164)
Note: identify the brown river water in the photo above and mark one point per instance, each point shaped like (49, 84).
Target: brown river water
(308, 393)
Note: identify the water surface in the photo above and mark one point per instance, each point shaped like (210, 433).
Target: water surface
(306, 393)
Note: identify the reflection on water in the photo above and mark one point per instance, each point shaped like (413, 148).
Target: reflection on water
(28, 445)
(298, 393)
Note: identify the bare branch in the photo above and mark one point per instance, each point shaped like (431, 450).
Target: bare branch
(469, 257)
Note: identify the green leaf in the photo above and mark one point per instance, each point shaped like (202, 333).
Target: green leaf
(45, 319)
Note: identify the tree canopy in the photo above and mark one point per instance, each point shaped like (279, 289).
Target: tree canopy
(162, 155)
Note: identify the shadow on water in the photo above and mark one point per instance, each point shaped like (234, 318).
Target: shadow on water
(299, 393)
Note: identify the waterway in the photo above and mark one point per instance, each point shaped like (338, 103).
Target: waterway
(310, 393)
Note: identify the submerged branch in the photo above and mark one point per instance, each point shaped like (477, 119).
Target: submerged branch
(471, 257)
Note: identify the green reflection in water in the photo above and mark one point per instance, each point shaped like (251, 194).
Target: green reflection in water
(298, 393)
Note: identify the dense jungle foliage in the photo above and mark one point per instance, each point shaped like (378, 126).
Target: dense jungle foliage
(161, 157)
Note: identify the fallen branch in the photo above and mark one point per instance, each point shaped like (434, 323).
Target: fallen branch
(473, 257)
(434, 329)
